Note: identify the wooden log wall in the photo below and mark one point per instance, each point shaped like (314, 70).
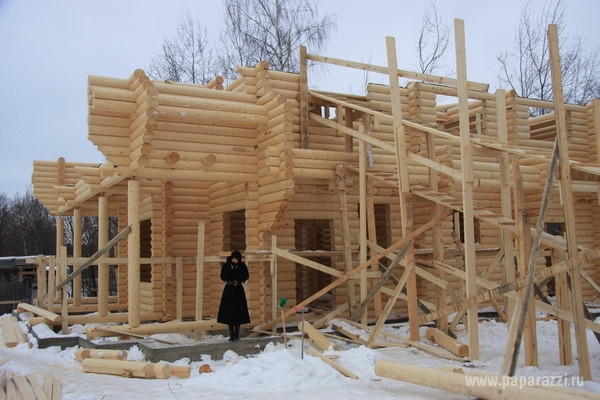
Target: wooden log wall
(277, 93)
(222, 198)
(517, 116)
(328, 213)
(581, 148)
(172, 125)
(246, 141)
(54, 183)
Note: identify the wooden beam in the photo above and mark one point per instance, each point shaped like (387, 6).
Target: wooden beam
(317, 337)
(372, 261)
(77, 244)
(346, 235)
(578, 261)
(305, 261)
(404, 194)
(410, 269)
(481, 87)
(568, 203)
(466, 153)
(55, 318)
(103, 268)
(522, 313)
(304, 139)
(505, 196)
(133, 252)
(199, 275)
(95, 257)
(362, 222)
(341, 369)
(377, 286)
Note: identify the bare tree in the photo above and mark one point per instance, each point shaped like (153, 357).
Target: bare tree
(432, 42)
(4, 224)
(271, 30)
(187, 58)
(32, 226)
(527, 70)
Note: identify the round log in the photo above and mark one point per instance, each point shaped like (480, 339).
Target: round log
(129, 369)
(106, 354)
(457, 383)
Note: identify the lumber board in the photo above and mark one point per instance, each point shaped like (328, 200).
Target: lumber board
(52, 388)
(578, 261)
(372, 261)
(8, 332)
(55, 318)
(400, 341)
(335, 365)
(96, 256)
(317, 337)
(568, 201)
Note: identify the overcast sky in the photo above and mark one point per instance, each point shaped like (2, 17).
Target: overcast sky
(49, 47)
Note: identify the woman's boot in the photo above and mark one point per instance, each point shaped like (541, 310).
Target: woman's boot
(231, 333)
(236, 332)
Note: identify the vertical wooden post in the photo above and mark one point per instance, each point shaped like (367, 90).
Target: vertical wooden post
(77, 242)
(565, 185)
(596, 118)
(362, 204)
(565, 349)
(466, 152)
(372, 236)
(403, 186)
(504, 162)
(42, 280)
(274, 290)
(346, 238)
(51, 282)
(371, 228)
(304, 140)
(64, 293)
(103, 268)
(179, 289)
(523, 255)
(523, 312)
(349, 116)
(199, 276)
(52, 271)
(438, 244)
(133, 253)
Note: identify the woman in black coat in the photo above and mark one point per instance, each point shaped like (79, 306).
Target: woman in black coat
(233, 310)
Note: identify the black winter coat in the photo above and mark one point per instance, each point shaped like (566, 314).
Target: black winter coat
(234, 308)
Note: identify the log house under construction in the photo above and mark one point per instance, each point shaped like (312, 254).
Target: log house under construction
(391, 203)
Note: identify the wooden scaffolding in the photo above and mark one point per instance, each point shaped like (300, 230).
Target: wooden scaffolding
(369, 199)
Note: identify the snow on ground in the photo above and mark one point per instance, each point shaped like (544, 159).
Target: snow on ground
(280, 372)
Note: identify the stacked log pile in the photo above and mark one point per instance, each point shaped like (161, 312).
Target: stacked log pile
(16, 386)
